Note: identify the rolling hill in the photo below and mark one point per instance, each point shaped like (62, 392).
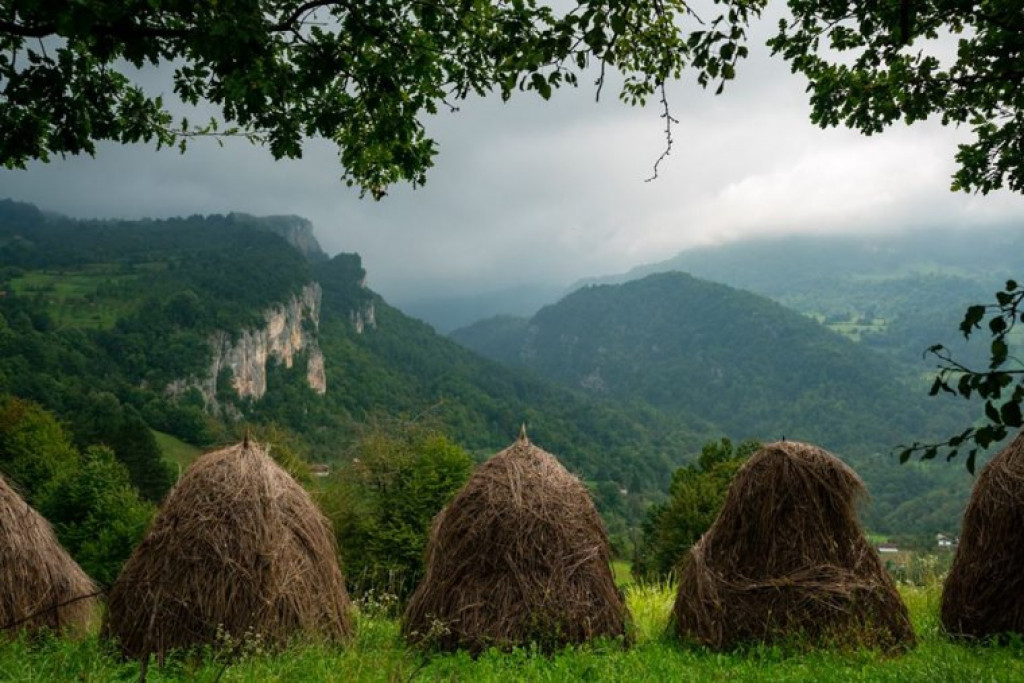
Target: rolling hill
(739, 361)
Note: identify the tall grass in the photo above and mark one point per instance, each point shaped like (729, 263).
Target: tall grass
(651, 606)
(377, 653)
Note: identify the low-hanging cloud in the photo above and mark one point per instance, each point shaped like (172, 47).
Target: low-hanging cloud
(533, 191)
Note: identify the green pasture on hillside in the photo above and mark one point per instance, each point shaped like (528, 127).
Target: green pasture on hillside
(378, 654)
(175, 450)
(81, 298)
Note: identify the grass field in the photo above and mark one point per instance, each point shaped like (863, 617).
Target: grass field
(82, 298)
(377, 654)
(175, 450)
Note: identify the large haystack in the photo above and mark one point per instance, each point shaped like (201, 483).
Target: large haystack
(238, 551)
(519, 556)
(984, 594)
(786, 558)
(41, 587)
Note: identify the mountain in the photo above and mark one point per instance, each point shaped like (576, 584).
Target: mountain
(776, 266)
(737, 360)
(896, 292)
(199, 325)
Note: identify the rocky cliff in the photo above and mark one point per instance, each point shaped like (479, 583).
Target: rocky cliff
(290, 329)
(297, 231)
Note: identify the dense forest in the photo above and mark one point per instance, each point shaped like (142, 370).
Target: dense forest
(898, 293)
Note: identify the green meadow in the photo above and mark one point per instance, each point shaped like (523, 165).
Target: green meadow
(377, 653)
(90, 297)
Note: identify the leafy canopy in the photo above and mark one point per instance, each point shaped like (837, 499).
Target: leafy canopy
(871, 64)
(382, 503)
(361, 74)
(365, 74)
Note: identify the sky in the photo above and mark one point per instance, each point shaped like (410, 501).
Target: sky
(534, 192)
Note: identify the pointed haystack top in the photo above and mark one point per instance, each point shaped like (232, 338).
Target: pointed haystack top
(40, 585)
(519, 556)
(984, 594)
(239, 549)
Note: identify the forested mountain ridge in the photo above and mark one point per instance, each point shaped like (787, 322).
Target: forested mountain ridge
(746, 364)
(120, 310)
(736, 359)
(896, 292)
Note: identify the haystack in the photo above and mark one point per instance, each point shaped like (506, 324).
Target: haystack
(519, 556)
(41, 587)
(787, 559)
(984, 594)
(238, 552)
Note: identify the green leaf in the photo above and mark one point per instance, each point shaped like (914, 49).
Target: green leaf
(971, 319)
(1011, 414)
(1000, 351)
(991, 412)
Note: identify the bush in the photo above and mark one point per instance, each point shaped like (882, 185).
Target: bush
(382, 503)
(695, 495)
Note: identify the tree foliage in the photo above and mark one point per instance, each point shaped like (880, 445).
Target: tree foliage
(871, 64)
(88, 497)
(362, 75)
(98, 515)
(383, 502)
(1000, 385)
(695, 496)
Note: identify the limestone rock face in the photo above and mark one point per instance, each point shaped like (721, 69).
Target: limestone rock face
(290, 328)
(364, 317)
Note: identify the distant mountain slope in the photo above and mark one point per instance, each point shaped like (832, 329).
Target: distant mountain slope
(897, 292)
(401, 365)
(447, 313)
(778, 265)
(500, 338)
(739, 361)
(115, 312)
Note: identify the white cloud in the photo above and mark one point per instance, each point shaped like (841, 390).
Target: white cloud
(554, 191)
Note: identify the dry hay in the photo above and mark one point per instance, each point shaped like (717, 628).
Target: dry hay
(984, 593)
(786, 559)
(41, 587)
(238, 553)
(519, 556)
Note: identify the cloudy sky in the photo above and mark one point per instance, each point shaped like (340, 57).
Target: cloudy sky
(534, 191)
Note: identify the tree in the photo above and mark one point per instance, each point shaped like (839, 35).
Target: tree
(1001, 385)
(34, 448)
(871, 64)
(97, 514)
(695, 496)
(88, 497)
(362, 75)
(382, 504)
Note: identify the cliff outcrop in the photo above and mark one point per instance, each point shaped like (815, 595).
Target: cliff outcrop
(290, 330)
